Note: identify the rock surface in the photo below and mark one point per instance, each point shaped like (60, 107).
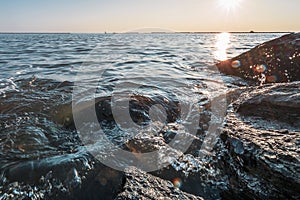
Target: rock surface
(262, 136)
(257, 156)
(140, 185)
(277, 60)
(197, 176)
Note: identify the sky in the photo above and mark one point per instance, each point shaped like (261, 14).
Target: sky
(130, 15)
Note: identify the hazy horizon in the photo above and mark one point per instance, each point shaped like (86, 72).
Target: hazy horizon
(41, 32)
(91, 16)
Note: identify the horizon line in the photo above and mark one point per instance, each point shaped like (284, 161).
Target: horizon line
(137, 32)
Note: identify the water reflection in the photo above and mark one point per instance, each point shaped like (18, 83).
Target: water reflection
(222, 44)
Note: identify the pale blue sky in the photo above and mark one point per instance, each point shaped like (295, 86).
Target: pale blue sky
(126, 15)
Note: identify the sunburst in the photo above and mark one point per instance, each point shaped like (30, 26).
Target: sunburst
(229, 5)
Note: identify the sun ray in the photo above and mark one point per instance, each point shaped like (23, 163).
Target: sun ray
(229, 5)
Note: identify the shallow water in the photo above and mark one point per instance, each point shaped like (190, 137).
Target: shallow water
(38, 74)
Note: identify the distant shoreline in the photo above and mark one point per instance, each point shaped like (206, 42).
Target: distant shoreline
(185, 32)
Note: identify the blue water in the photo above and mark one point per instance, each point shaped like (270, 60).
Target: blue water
(38, 72)
(58, 56)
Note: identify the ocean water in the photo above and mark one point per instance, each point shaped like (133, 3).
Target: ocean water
(43, 74)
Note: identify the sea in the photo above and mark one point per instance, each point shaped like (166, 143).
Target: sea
(43, 75)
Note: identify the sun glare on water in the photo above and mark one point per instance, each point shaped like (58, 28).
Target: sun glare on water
(229, 5)
(222, 44)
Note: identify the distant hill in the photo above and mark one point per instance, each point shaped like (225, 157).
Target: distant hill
(150, 30)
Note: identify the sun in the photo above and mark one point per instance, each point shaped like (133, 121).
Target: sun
(229, 5)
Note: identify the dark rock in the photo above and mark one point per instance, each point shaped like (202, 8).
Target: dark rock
(261, 133)
(65, 177)
(139, 108)
(140, 185)
(197, 177)
(277, 60)
(102, 183)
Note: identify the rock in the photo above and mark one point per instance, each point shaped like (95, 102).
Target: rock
(139, 107)
(140, 185)
(72, 176)
(277, 60)
(261, 134)
(107, 115)
(103, 183)
(197, 177)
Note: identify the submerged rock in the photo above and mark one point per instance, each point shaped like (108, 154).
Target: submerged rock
(139, 108)
(261, 134)
(277, 60)
(62, 177)
(41, 156)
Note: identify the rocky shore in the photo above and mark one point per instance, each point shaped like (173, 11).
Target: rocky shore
(255, 157)
(261, 135)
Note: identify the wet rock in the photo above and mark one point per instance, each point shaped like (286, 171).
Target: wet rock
(103, 183)
(145, 143)
(173, 135)
(62, 167)
(75, 176)
(261, 134)
(177, 136)
(194, 175)
(277, 60)
(151, 152)
(108, 112)
(139, 107)
(200, 177)
(62, 114)
(140, 185)
(43, 157)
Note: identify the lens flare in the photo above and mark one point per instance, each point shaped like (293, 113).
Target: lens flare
(260, 68)
(272, 79)
(236, 64)
(177, 182)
